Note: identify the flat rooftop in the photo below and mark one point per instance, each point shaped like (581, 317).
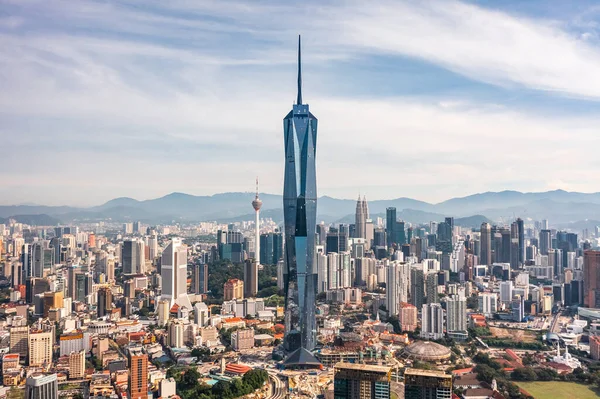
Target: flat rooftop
(427, 373)
(362, 367)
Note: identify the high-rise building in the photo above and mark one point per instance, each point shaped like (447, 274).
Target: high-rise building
(104, 301)
(133, 257)
(392, 295)
(174, 273)
(421, 384)
(456, 314)
(40, 386)
(432, 321)
(360, 218)
(545, 241)
(361, 381)
(591, 279)
(407, 317)
(250, 278)
(300, 212)
(40, 348)
(521, 237)
(488, 303)
(19, 340)
(391, 226)
(486, 244)
(77, 365)
(138, 374)
(417, 286)
(199, 278)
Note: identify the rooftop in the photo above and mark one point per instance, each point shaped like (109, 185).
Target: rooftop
(427, 373)
(363, 367)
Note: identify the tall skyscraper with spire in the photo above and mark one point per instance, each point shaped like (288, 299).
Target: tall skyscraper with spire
(361, 216)
(300, 211)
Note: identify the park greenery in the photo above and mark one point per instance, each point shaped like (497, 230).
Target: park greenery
(189, 387)
(223, 270)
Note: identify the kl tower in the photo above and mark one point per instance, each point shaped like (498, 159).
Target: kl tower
(256, 204)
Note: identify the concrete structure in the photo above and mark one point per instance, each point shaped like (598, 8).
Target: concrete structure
(591, 280)
(408, 317)
(432, 321)
(426, 351)
(174, 274)
(242, 339)
(40, 348)
(77, 365)
(419, 384)
(361, 381)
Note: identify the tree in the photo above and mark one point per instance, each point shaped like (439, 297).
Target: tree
(485, 373)
(523, 374)
(190, 377)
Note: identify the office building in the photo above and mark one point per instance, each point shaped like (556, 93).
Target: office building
(40, 386)
(19, 340)
(391, 226)
(391, 291)
(271, 248)
(138, 374)
(486, 244)
(242, 339)
(133, 256)
(361, 381)
(300, 212)
(521, 238)
(173, 273)
(199, 278)
(417, 286)
(432, 321)
(545, 242)
(250, 278)
(427, 384)
(105, 301)
(591, 280)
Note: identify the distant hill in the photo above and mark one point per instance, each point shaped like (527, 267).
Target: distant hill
(33, 220)
(559, 207)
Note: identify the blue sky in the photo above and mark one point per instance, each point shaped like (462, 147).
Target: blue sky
(423, 99)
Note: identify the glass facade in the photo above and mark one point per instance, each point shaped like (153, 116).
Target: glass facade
(300, 211)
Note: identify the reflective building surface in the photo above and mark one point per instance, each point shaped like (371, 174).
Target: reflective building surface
(300, 209)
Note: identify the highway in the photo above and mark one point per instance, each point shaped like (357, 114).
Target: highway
(277, 386)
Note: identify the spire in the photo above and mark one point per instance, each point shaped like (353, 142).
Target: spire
(299, 100)
(256, 186)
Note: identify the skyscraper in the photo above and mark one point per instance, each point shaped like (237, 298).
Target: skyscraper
(486, 244)
(591, 280)
(250, 278)
(300, 212)
(391, 226)
(361, 381)
(174, 273)
(360, 218)
(456, 314)
(132, 256)
(521, 236)
(545, 241)
(138, 374)
(256, 204)
(432, 321)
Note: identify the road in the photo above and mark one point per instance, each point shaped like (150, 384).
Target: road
(277, 386)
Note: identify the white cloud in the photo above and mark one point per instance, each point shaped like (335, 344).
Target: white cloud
(137, 98)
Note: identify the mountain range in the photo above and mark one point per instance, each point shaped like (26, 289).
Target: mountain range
(561, 208)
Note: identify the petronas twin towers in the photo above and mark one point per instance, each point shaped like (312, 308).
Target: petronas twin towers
(300, 212)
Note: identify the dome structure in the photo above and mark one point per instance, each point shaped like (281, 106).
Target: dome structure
(426, 351)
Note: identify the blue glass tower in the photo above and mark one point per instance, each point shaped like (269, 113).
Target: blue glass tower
(300, 212)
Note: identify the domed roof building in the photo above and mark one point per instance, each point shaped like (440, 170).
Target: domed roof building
(426, 351)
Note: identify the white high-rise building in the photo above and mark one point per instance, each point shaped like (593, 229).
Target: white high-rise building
(432, 323)
(332, 270)
(174, 273)
(345, 276)
(456, 314)
(322, 272)
(488, 303)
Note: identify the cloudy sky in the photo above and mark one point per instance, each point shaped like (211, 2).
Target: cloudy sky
(423, 99)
